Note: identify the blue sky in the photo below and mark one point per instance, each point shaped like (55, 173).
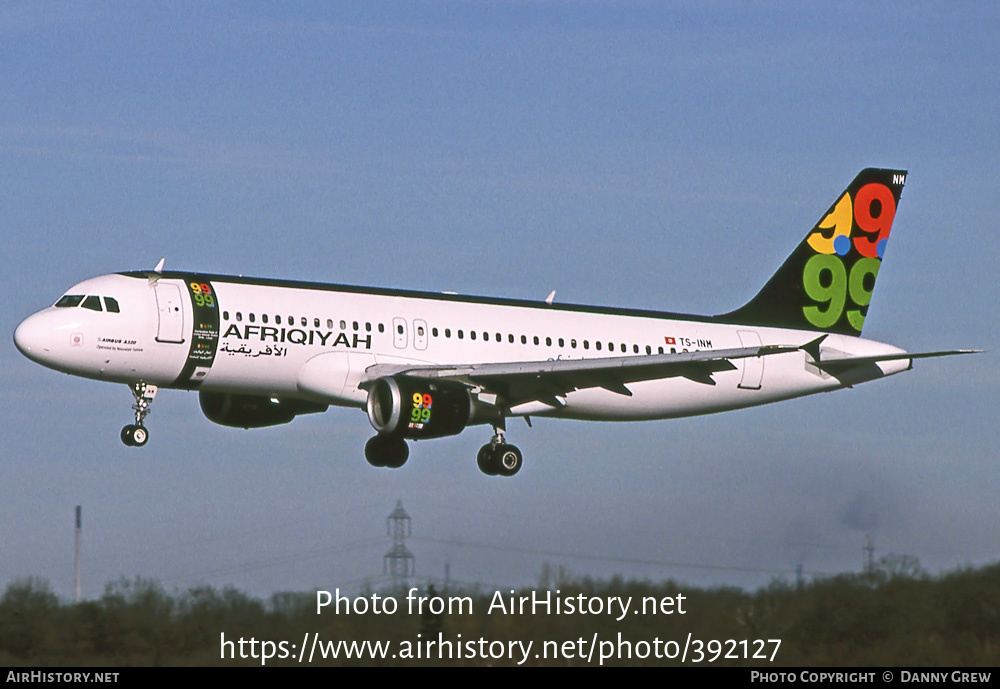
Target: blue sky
(664, 156)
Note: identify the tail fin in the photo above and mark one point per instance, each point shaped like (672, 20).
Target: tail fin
(827, 282)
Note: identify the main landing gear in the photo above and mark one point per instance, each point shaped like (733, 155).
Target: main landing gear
(498, 458)
(495, 458)
(135, 434)
(386, 451)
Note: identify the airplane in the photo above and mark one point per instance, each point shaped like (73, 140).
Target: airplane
(427, 365)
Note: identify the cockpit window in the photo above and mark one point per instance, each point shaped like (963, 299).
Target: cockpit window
(92, 303)
(70, 300)
(111, 304)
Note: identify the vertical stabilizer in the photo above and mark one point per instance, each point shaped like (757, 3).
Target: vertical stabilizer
(827, 282)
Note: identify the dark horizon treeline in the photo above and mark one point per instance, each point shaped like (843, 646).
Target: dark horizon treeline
(898, 615)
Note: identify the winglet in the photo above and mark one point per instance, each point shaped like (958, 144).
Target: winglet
(159, 266)
(549, 299)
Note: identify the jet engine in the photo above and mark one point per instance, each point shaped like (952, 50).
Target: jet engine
(250, 411)
(418, 408)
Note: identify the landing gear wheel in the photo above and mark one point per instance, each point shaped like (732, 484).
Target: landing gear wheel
(508, 459)
(497, 457)
(382, 451)
(139, 436)
(127, 435)
(486, 460)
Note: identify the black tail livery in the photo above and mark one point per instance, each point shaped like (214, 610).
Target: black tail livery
(827, 282)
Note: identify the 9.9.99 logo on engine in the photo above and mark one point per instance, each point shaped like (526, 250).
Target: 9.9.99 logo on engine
(421, 412)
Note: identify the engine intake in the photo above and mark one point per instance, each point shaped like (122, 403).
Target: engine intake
(249, 411)
(419, 408)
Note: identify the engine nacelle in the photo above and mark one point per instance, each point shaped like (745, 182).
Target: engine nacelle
(249, 411)
(419, 408)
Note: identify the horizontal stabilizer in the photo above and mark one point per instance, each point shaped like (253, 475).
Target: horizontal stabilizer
(834, 366)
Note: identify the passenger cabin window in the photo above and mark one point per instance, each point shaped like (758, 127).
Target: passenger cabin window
(92, 303)
(111, 305)
(69, 301)
(239, 316)
(252, 318)
(263, 318)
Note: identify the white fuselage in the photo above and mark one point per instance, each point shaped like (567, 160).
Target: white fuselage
(315, 342)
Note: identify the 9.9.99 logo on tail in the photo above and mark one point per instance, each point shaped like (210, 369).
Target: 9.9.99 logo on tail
(849, 244)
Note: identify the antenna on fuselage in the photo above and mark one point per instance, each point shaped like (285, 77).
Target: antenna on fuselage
(154, 276)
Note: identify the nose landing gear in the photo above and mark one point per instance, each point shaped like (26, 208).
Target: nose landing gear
(136, 435)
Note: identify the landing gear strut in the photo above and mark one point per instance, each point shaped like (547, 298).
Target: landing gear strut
(497, 457)
(386, 451)
(136, 435)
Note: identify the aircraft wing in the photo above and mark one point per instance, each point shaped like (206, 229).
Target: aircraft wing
(546, 381)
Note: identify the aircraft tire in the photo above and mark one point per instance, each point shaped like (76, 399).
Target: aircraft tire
(508, 460)
(382, 451)
(374, 451)
(486, 459)
(127, 436)
(398, 453)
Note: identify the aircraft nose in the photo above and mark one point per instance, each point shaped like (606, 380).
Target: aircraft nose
(30, 338)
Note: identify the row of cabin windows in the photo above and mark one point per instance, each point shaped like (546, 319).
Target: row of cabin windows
(535, 339)
(89, 302)
(303, 321)
(460, 334)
